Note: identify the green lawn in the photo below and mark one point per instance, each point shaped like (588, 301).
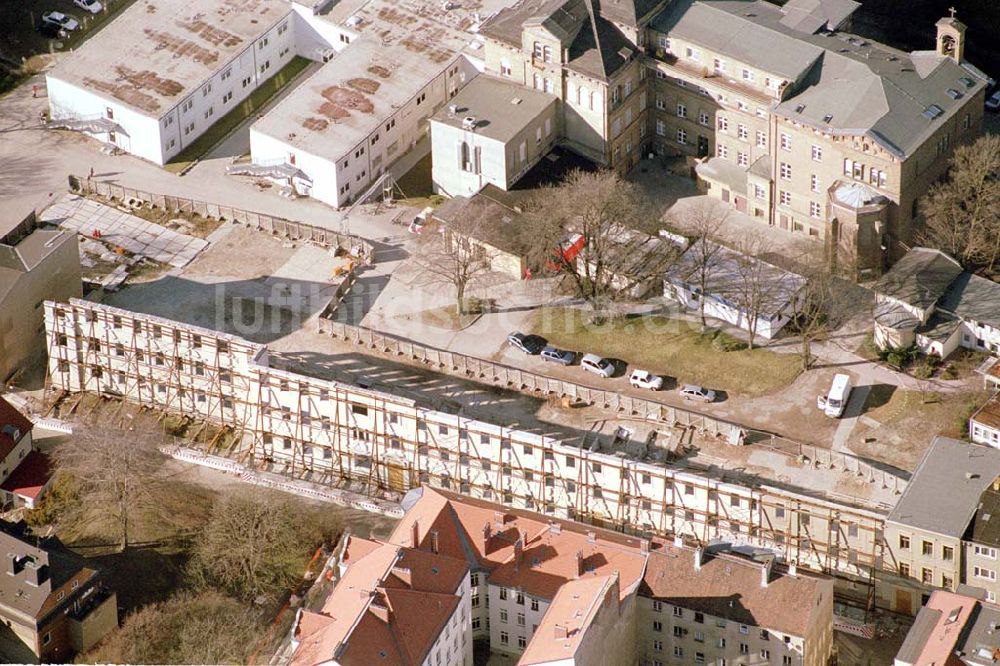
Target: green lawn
(227, 123)
(671, 347)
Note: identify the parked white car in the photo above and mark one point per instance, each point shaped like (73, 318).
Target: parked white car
(601, 367)
(692, 392)
(92, 6)
(60, 20)
(644, 379)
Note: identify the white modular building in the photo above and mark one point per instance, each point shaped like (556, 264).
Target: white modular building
(343, 127)
(159, 75)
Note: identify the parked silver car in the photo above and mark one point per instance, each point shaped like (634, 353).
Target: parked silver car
(692, 392)
(601, 367)
(560, 356)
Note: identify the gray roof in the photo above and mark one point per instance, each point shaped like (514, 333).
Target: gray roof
(940, 327)
(843, 84)
(945, 489)
(725, 277)
(722, 26)
(595, 46)
(58, 565)
(920, 278)
(716, 168)
(986, 523)
(486, 217)
(918, 635)
(973, 298)
(501, 108)
(814, 15)
(980, 639)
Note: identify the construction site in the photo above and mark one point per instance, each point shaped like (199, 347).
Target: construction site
(620, 475)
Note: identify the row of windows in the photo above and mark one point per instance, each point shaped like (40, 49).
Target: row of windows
(947, 552)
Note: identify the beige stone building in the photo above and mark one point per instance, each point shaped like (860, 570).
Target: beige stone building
(939, 535)
(589, 55)
(808, 128)
(35, 265)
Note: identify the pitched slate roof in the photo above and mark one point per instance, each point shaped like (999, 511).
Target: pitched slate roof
(944, 492)
(920, 278)
(729, 587)
(596, 47)
(973, 298)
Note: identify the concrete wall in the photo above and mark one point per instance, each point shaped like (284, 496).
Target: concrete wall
(21, 314)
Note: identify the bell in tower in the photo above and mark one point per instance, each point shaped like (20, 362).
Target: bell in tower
(951, 37)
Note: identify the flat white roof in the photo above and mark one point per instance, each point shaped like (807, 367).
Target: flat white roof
(157, 51)
(350, 97)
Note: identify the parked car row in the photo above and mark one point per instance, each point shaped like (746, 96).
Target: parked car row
(535, 345)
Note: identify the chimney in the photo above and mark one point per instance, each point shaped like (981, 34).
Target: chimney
(644, 546)
(518, 552)
(591, 536)
(561, 632)
(765, 572)
(415, 535)
(435, 543)
(36, 572)
(699, 552)
(792, 570)
(678, 541)
(487, 533)
(12, 564)
(579, 564)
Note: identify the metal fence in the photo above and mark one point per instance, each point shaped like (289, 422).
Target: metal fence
(278, 226)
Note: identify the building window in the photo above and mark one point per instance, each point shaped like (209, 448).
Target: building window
(681, 136)
(814, 183)
(657, 626)
(682, 111)
(815, 210)
(503, 615)
(520, 619)
(927, 549)
(759, 192)
(817, 153)
(661, 128)
(693, 54)
(786, 171)
(985, 551)
(722, 150)
(504, 638)
(719, 66)
(742, 159)
(985, 574)
(904, 542)
(703, 118)
(534, 604)
(761, 139)
(748, 76)
(678, 651)
(742, 132)
(904, 569)
(786, 141)
(723, 123)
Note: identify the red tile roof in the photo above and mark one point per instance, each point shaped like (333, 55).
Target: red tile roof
(30, 477)
(11, 421)
(388, 608)
(549, 547)
(729, 586)
(567, 620)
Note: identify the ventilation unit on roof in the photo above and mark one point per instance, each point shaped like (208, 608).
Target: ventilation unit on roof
(800, 108)
(515, 101)
(452, 109)
(966, 81)
(933, 111)
(827, 118)
(951, 92)
(469, 122)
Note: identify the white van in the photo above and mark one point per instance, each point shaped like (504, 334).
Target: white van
(840, 393)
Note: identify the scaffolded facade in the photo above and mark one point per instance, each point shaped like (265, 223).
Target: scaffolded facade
(332, 430)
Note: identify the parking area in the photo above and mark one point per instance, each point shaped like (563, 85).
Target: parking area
(19, 23)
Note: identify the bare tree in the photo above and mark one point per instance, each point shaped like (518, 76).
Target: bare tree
(758, 287)
(703, 221)
(962, 214)
(203, 628)
(449, 254)
(250, 547)
(596, 228)
(117, 472)
(826, 301)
